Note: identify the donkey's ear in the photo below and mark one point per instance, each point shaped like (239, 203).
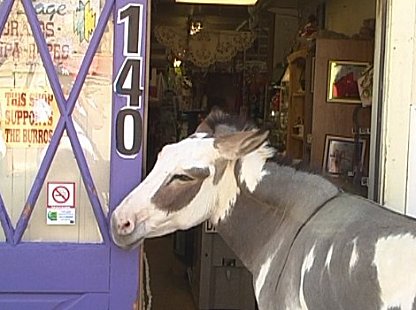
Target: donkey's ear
(215, 117)
(239, 144)
(204, 127)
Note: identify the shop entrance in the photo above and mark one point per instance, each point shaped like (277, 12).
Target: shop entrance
(71, 147)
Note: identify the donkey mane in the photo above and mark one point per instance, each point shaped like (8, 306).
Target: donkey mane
(218, 124)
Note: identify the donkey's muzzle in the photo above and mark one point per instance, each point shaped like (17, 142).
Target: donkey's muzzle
(121, 225)
(124, 231)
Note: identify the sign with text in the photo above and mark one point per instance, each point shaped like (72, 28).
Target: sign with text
(60, 203)
(67, 27)
(209, 227)
(27, 117)
(129, 82)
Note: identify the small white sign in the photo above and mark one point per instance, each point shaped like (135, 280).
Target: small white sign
(60, 208)
(209, 227)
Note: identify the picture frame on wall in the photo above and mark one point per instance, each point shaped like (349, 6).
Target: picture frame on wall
(343, 78)
(339, 154)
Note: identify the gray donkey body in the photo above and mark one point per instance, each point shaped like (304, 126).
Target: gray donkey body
(307, 244)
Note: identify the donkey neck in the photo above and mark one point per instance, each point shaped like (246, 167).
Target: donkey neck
(265, 220)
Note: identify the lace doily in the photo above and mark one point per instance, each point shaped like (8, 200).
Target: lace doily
(206, 47)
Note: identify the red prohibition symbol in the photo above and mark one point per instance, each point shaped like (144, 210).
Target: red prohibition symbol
(60, 194)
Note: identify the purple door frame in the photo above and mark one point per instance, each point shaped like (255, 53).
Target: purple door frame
(94, 276)
(122, 164)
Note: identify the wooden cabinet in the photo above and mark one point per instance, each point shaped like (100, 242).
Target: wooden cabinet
(338, 118)
(300, 105)
(334, 118)
(311, 118)
(276, 112)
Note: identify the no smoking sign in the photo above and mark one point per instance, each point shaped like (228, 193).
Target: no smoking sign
(61, 194)
(61, 203)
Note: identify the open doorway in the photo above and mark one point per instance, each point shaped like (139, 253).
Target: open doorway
(281, 78)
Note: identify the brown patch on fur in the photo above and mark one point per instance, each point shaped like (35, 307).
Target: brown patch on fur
(220, 166)
(174, 195)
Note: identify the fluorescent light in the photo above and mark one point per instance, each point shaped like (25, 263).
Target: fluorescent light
(230, 2)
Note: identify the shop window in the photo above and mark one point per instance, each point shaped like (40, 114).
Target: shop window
(28, 110)
(64, 171)
(29, 114)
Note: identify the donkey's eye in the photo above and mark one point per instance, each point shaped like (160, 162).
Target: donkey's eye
(181, 177)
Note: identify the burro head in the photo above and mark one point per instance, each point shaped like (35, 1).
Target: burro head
(192, 181)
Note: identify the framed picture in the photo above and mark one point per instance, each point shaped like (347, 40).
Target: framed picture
(339, 154)
(343, 81)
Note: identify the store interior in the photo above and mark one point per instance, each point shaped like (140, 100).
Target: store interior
(300, 69)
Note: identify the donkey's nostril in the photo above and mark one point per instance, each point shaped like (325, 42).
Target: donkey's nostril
(125, 227)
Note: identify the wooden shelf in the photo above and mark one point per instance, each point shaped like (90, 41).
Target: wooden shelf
(299, 138)
(299, 94)
(297, 54)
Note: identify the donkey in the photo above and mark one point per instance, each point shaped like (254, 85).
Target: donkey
(308, 244)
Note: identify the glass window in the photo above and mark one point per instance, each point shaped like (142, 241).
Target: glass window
(29, 114)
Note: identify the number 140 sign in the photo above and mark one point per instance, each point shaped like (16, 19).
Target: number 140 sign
(129, 81)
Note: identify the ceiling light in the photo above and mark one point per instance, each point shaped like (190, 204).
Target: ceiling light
(230, 2)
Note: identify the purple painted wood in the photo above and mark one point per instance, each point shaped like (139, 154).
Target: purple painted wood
(5, 8)
(53, 301)
(38, 182)
(123, 178)
(122, 167)
(73, 96)
(5, 222)
(80, 276)
(54, 267)
(44, 54)
(88, 182)
(56, 88)
(65, 109)
(89, 55)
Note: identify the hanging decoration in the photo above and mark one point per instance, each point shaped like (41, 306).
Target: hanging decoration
(205, 47)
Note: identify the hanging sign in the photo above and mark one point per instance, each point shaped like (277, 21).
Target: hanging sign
(60, 203)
